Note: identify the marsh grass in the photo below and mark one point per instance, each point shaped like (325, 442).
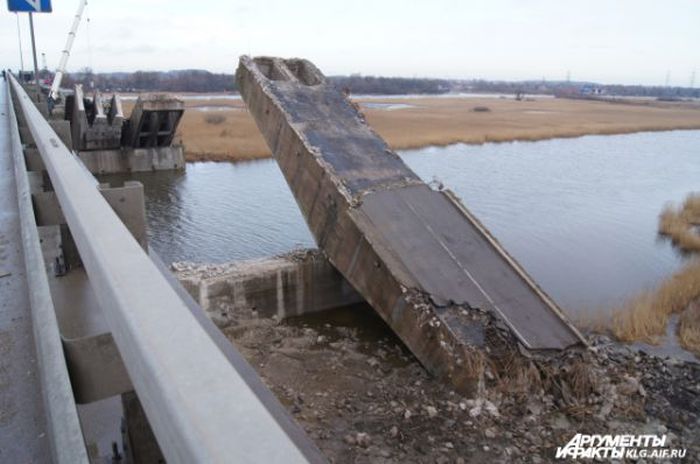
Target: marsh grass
(689, 328)
(645, 317)
(445, 121)
(680, 224)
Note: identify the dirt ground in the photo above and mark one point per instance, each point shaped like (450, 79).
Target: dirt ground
(363, 398)
(222, 129)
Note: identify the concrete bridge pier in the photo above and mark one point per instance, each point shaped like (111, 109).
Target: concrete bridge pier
(107, 142)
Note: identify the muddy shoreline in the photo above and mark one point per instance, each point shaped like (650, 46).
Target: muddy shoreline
(363, 398)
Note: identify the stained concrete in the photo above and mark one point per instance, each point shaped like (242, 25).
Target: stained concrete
(443, 284)
(91, 127)
(297, 283)
(96, 368)
(106, 143)
(153, 121)
(133, 160)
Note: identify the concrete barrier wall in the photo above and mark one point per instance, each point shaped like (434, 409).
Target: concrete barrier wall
(133, 160)
(298, 283)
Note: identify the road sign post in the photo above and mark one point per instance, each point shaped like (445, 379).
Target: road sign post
(36, 68)
(31, 6)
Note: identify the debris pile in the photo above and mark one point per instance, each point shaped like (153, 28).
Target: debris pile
(362, 396)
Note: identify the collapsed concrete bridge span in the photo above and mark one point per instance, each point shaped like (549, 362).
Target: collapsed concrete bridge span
(425, 264)
(107, 142)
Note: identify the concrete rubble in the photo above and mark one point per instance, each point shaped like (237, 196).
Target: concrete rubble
(364, 398)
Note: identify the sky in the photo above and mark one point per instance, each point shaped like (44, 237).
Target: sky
(612, 41)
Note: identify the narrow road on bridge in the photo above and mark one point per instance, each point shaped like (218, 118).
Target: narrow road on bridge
(22, 421)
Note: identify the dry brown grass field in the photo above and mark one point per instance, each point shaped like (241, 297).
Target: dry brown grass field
(441, 121)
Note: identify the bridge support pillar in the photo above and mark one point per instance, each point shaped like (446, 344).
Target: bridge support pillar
(96, 369)
(140, 445)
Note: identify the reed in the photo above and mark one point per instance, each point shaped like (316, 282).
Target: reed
(645, 317)
(444, 121)
(689, 328)
(681, 224)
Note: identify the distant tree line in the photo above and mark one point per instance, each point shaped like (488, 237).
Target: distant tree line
(369, 85)
(195, 80)
(204, 81)
(190, 80)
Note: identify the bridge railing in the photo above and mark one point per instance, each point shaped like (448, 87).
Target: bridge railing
(203, 404)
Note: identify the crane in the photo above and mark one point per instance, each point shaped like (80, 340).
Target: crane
(53, 93)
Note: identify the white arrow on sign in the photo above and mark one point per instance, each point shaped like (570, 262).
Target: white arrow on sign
(36, 4)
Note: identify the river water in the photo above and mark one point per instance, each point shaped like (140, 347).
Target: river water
(579, 214)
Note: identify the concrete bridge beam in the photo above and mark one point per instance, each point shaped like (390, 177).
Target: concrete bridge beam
(435, 275)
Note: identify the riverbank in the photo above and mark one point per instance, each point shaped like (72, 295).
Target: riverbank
(363, 398)
(220, 129)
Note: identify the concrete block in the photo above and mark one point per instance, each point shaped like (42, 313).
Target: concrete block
(134, 160)
(26, 136)
(140, 442)
(297, 283)
(92, 127)
(62, 128)
(127, 201)
(153, 121)
(36, 181)
(96, 368)
(33, 160)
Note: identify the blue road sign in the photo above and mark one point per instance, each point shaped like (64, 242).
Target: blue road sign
(31, 6)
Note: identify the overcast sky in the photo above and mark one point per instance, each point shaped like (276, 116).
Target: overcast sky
(611, 41)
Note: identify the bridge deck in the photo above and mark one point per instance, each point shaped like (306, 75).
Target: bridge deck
(22, 421)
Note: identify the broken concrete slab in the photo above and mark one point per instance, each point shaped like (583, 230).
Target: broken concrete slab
(443, 284)
(91, 127)
(153, 121)
(107, 143)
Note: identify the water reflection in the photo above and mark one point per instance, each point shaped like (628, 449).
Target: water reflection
(217, 212)
(579, 214)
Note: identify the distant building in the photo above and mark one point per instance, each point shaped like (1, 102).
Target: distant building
(591, 90)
